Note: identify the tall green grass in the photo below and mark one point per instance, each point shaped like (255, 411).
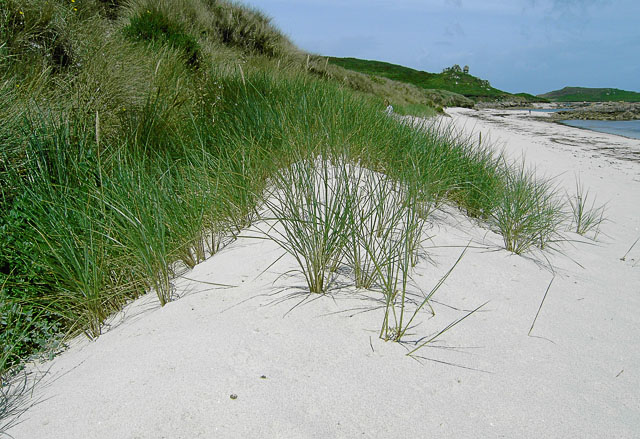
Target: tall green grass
(126, 162)
(585, 215)
(310, 207)
(529, 211)
(337, 219)
(109, 220)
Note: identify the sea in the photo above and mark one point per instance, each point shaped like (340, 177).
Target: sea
(627, 128)
(549, 110)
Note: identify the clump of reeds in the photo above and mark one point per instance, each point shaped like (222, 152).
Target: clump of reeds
(386, 242)
(328, 213)
(528, 211)
(376, 214)
(585, 215)
(309, 204)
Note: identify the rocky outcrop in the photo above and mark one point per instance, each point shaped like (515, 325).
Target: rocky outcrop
(601, 111)
(503, 104)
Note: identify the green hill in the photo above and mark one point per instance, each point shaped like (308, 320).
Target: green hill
(584, 94)
(405, 97)
(453, 79)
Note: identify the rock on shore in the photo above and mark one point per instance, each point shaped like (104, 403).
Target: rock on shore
(601, 111)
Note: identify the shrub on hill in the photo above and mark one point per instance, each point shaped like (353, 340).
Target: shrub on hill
(219, 22)
(247, 29)
(153, 26)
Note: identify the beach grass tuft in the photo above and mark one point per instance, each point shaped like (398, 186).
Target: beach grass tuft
(585, 215)
(528, 212)
(308, 203)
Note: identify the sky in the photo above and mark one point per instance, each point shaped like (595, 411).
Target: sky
(532, 46)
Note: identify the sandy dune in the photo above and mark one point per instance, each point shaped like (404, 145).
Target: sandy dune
(314, 367)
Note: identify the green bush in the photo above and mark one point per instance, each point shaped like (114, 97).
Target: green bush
(26, 324)
(246, 29)
(153, 26)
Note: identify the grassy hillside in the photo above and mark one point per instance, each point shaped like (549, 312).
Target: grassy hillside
(454, 79)
(583, 94)
(531, 98)
(406, 98)
(136, 139)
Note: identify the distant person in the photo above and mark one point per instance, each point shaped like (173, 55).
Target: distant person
(389, 109)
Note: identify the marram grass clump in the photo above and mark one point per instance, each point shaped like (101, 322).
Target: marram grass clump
(345, 224)
(528, 212)
(586, 216)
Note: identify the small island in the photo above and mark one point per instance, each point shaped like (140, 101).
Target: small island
(582, 103)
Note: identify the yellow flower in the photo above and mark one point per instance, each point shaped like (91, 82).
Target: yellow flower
(75, 9)
(21, 13)
(73, 1)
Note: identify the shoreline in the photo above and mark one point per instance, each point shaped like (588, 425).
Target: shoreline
(171, 371)
(612, 145)
(548, 118)
(562, 122)
(603, 111)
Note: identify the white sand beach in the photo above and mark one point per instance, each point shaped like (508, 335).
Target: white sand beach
(302, 366)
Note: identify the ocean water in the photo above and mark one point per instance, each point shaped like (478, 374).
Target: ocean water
(549, 110)
(627, 128)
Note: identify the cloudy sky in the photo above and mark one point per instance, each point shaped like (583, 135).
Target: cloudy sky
(533, 46)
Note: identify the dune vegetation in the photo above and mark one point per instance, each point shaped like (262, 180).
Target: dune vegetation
(140, 134)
